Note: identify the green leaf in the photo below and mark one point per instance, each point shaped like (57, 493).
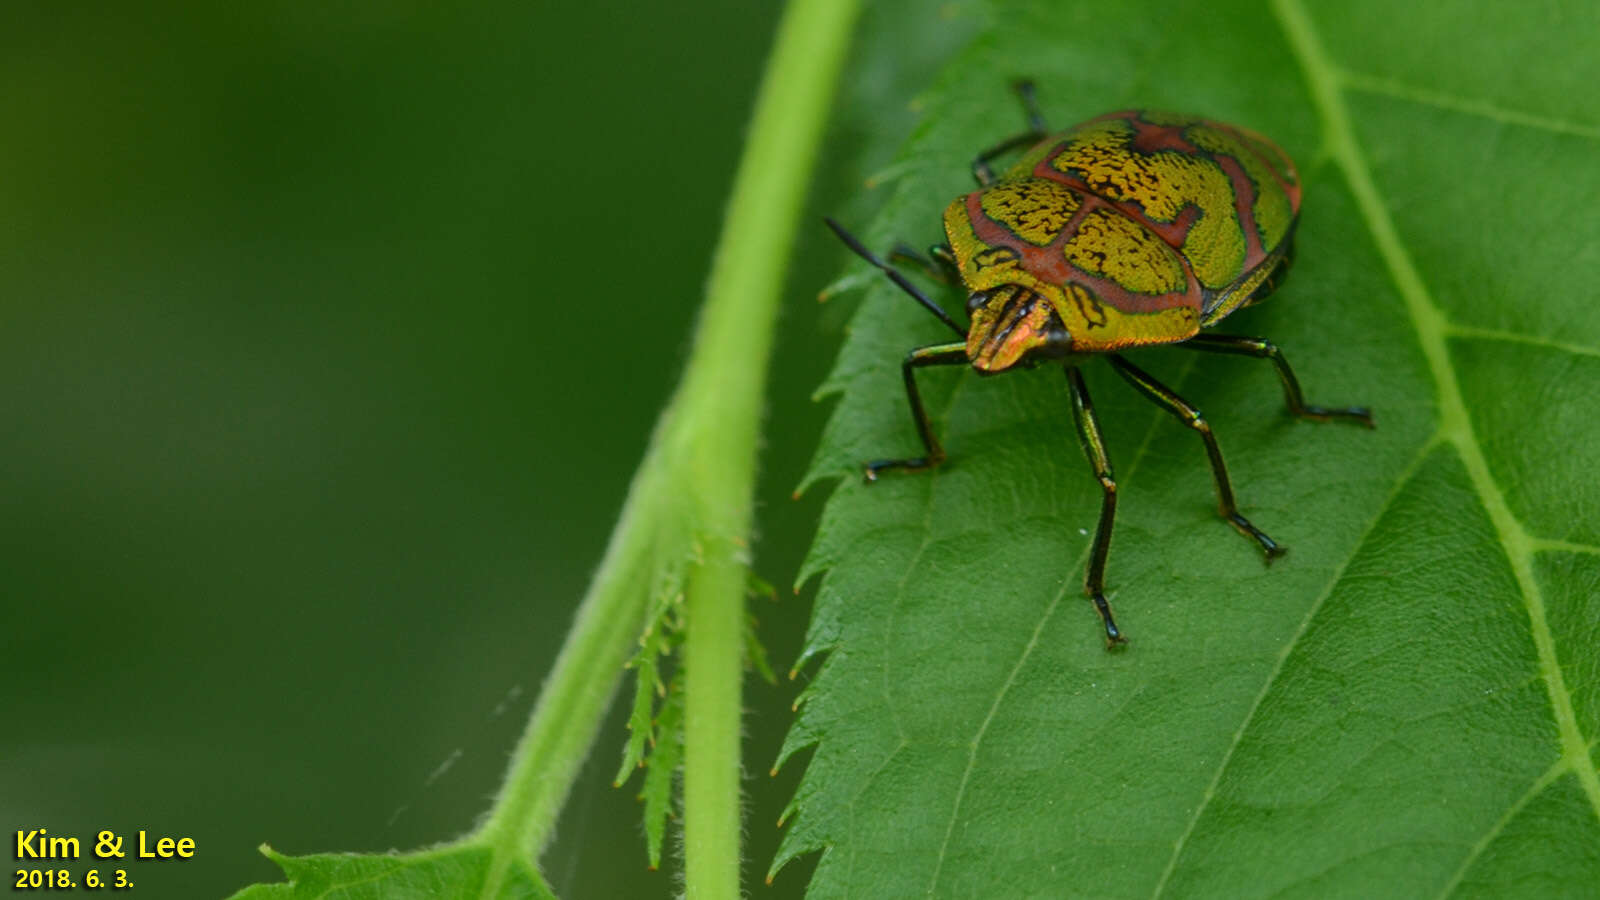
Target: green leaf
(1408, 703)
(662, 769)
(456, 871)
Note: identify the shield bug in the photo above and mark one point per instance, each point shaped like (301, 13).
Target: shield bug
(1131, 229)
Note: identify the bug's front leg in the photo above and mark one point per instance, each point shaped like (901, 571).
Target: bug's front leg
(1191, 417)
(1261, 348)
(939, 263)
(1094, 447)
(936, 355)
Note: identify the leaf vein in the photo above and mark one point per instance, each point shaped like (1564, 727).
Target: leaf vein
(1548, 545)
(1139, 454)
(866, 783)
(1551, 775)
(1492, 334)
(900, 587)
(1277, 668)
(983, 728)
(1432, 329)
(1483, 109)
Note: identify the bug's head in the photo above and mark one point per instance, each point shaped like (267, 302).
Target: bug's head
(1013, 324)
(1013, 321)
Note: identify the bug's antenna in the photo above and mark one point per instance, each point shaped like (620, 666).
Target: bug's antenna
(895, 276)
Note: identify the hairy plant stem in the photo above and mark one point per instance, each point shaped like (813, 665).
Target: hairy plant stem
(741, 306)
(691, 499)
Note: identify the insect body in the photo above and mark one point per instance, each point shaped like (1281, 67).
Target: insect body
(1131, 229)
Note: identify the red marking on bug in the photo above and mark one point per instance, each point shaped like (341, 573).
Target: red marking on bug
(1150, 138)
(1244, 204)
(1049, 264)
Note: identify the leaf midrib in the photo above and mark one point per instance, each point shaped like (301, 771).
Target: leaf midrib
(1325, 81)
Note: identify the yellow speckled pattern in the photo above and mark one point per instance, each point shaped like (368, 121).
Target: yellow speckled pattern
(1003, 264)
(1278, 160)
(982, 267)
(1112, 245)
(1164, 184)
(1122, 330)
(1033, 209)
(1098, 327)
(1030, 158)
(1273, 214)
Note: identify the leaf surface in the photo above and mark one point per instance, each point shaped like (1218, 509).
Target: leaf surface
(461, 870)
(1408, 703)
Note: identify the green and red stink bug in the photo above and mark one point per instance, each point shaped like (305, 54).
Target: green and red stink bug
(1130, 229)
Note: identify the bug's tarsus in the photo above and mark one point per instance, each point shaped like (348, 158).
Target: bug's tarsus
(860, 250)
(1260, 348)
(1270, 547)
(934, 355)
(1094, 447)
(1114, 636)
(1186, 413)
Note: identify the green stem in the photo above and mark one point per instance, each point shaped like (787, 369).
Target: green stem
(574, 699)
(691, 499)
(741, 306)
(713, 672)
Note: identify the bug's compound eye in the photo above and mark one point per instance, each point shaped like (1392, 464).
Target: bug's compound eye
(976, 300)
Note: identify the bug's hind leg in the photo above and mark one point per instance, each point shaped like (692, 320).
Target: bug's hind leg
(1094, 583)
(1265, 349)
(1164, 397)
(935, 355)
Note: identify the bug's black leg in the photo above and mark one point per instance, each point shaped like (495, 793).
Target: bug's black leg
(1037, 131)
(939, 263)
(1094, 582)
(1188, 415)
(1264, 349)
(947, 260)
(1030, 104)
(936, 355)
(1276, 277)
(932, 266)
(980, 163)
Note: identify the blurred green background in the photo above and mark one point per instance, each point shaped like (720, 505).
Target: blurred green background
(331, 336)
